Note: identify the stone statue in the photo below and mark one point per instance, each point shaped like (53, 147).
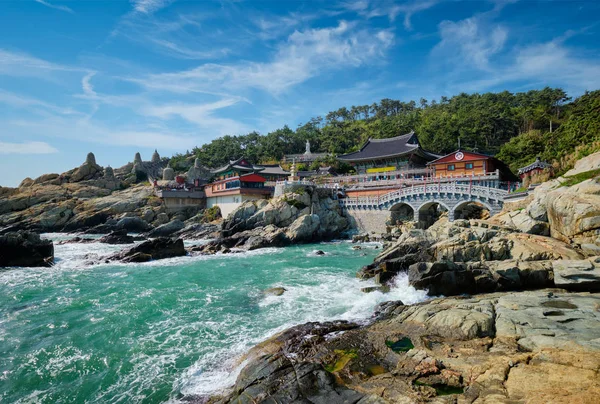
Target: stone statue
(168, 174)
(137, 159)
(307, 147)
(109, 173)
(197, 172)
(155, 157)
(90, 159)
(137, 167)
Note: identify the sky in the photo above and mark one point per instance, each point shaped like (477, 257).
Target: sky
(116, 77)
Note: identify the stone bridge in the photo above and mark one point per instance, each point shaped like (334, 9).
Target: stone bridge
(417, 201)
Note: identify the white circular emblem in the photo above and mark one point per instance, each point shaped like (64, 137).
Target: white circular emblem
(459, 156)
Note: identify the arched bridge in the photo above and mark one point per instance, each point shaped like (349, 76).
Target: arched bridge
(451, 196)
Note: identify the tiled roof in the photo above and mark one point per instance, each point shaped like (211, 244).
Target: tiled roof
(274, 169)
(239, 164)
(538, 163)
(382, 148)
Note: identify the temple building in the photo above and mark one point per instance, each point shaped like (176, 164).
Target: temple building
(384, 158)
(235, 183)
(274, 173)
(537, 167)
(471, 166)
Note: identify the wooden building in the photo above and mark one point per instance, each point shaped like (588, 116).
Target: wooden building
(384, 157)
(462, 163)
(234, 184)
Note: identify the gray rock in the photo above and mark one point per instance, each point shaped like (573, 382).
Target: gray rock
(167, 229)
(133, 224)
(582, 275)
(25, 249)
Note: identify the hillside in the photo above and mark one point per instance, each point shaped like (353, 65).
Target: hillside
(517, 127)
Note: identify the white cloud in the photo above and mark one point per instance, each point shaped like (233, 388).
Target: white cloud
(470, 42)
(20, 101)
(26, 148)
(149, 6)
(304, 55)
(550, 63)
(372, 9)
(202, 115)
(86, 85)
(54, 6)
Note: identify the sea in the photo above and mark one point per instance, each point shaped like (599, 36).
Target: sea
(160, 331)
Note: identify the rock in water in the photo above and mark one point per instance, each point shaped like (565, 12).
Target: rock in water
(275, 291)
(25, 249)
(156, 249)
(167, 229)
(117, 237)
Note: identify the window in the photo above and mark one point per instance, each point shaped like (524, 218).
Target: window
(469, 166)
(450, 167)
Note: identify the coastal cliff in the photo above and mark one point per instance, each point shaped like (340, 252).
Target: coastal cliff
(524, 325)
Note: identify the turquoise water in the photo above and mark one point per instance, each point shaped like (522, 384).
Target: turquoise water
(156, 331)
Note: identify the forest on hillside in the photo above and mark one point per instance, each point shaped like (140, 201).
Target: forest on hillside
(516, 127)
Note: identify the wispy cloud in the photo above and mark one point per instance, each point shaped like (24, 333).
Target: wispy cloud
(56, 7)
(550, 63)
(20, 64)
(372, 9)
(26, 148)
(304, 55)
(21, 101)
(149, 6)
(470, 42)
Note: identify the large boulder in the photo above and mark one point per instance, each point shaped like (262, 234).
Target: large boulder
(167, 229)
(158, 248)
(133, 224)
(117, 237)
(303, 228)
(25, 249)
(574, 212)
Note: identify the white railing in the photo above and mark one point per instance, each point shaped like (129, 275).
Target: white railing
(369, 180)
(299, 182)
(440, 188)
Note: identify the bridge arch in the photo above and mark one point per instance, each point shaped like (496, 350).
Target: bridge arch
(471, 209)
(429, 212)
(401, 212)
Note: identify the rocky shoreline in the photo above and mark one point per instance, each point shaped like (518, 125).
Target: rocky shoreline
(520, 321)
(524, 325)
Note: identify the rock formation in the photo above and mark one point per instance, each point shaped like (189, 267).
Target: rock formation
(87, 171)
(308, 214)
(155, 249)
(197, 172)
(155, 157)
(137, 159)
(540, 346)
(568, 213)
(109, 174)
(25, 249)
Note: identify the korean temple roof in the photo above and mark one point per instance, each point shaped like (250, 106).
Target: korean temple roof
(240, 164)
(274, 169)
(538, 163)
(375, 149)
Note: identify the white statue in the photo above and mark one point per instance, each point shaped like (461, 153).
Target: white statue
(307, 147)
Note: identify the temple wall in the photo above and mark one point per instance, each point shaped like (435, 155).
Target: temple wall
(367, 221)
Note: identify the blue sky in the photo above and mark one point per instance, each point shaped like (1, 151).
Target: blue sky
(116, 77)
